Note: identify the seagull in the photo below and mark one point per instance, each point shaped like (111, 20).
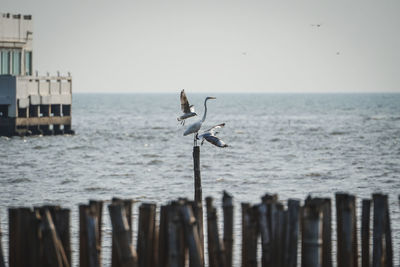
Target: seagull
(188, 111)
(195, 127)
(210, 136)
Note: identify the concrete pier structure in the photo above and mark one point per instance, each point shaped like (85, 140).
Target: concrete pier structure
(29, 104)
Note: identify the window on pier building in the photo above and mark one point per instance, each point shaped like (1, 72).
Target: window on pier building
(16, 59)
(28, 62)
(5, 62)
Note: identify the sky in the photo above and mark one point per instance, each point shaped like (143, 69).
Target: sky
(217, 45)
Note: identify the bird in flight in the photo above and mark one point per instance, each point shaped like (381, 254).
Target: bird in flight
(188, 110)
(210, 136)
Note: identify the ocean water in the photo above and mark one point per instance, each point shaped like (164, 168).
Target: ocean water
(131, 146)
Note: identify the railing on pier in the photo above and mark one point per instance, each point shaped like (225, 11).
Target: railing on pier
(41, 236)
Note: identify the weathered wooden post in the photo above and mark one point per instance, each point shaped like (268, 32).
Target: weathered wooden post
(266, 238)
(249, 235)
(382, 252)
(123, 242)
(216, 253)
(365, 230)
(347, 254)
(90, 217)
(326, 232)
(146, 235)
(191, 236)
(1, 251)
(54, 255)
(163, 237)
(24, 245)
(227, 206)
(292, 233)
(127, 204)
(175, 257)
(311, 234)
(198, 194)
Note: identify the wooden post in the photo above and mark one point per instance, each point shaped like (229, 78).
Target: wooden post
(227, 206)
(292, 233)
(2, 264)
(347, 254)
(54, 255)
(266, 239)
(280, 234)
(216, 253)
(125, 251)
(326, 232)
(61, 221)
(163, 237)
(24, 246)
(198, 195)
(311, 234)
(249, 235)
(127, 204)
(192, 236)
(146, 235)
(365, 230)
(382, 252)
(174, 258)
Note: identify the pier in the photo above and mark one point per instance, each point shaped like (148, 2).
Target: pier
(29, 104)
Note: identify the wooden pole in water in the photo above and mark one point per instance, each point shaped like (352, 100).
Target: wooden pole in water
(249, 235)
(126, 253)
(191, 236)
(227, 206)
(163, 237)
(146, 235)
(365, 233)
(311, 234)
(347, 253)
(292, 233)
(198, 194)
(215, 248)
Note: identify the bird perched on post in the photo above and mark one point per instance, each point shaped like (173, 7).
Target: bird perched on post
(188, 110)
(210, 136)
(195, 127)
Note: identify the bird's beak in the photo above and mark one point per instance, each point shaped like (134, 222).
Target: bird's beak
(212, 97)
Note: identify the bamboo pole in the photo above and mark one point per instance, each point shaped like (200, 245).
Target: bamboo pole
(191, 236)
(311, 234)
(125, 251)
(146, 235)
(227, 206)
(365, 232)
(198, 194)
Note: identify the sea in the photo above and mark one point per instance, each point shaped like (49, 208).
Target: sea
(132, 146)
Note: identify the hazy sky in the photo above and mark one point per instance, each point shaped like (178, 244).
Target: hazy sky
(218, 45)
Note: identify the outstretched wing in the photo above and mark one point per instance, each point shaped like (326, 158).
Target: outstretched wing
(214, 140)
(214, 128)
(184, 102)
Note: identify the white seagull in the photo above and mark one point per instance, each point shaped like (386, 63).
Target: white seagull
(195, 127)
(210, 136)
(188, 111)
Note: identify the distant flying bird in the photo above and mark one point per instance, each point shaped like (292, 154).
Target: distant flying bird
(210, 136)
(195, 127)
(188, 111)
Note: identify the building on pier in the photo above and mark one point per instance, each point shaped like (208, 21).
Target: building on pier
(29, 104)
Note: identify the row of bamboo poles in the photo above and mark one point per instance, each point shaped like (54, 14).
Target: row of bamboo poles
(41, 236)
